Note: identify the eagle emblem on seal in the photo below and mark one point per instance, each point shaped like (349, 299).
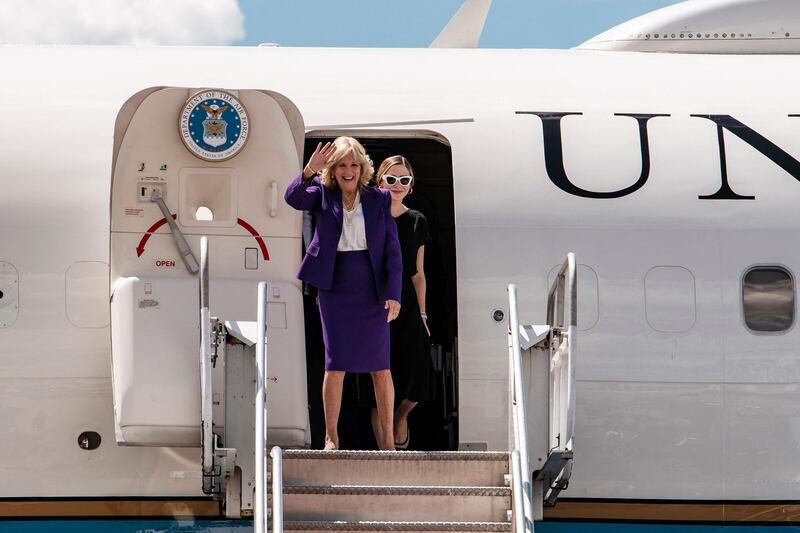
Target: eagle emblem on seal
(214, 127)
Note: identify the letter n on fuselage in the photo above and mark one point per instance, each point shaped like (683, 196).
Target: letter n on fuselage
(754, 139)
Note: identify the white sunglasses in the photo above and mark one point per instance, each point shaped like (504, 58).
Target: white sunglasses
(390, 180)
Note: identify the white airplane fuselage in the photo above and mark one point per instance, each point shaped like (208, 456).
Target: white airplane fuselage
(677, 398)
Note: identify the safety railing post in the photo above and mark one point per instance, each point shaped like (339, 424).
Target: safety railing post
(552, 352)
(206, 406)
(277, 489)
(562, 313)
(519, 416)
(518, 503)
(571, 327)
(260, 518)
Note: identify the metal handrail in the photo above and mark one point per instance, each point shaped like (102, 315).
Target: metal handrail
(518, 411)
(562, 313)
(516, 490)
(277, 489)
(561, 327)
(567, 271)
(260, 518)
(206, 406)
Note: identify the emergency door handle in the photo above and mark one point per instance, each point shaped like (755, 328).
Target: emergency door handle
(180, 241)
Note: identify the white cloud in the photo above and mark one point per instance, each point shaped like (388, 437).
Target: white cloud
(179, 22)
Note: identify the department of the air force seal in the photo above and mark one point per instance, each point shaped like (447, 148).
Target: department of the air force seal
(214, 125)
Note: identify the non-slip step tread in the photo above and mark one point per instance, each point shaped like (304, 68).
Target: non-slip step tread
(372, 455)
(343, 525)
(398, 490)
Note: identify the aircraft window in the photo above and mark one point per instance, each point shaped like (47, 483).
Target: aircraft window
(669, 294)
(768, 299)
(588, 298)
(204, 214)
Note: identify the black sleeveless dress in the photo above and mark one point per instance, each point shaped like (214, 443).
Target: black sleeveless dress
(411, 366)
(410, 353)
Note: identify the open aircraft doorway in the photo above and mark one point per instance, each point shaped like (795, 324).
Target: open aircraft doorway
(433, 424)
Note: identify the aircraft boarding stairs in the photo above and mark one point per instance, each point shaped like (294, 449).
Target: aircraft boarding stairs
(396, 491)
(315, 490)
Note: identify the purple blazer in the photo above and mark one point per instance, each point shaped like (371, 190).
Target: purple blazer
(381, 230)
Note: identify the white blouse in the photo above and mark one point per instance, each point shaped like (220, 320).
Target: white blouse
(354, 233)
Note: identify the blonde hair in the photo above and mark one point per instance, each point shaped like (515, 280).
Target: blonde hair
(348, 146)
(388, 163)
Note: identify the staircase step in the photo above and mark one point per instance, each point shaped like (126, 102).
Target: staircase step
(417, 527)
(396, 503)
(320, 467)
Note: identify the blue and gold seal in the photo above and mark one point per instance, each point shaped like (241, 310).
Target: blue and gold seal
(214, 125)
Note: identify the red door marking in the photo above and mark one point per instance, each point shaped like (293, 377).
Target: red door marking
(259, 240)
(152, 229)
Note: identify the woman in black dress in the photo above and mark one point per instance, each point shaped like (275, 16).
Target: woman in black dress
(410, 343)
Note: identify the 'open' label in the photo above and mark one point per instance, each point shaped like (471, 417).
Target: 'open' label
(165, 263)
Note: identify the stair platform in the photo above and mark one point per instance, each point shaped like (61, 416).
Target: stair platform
(351, 490)
(417, 527)
(321, 467)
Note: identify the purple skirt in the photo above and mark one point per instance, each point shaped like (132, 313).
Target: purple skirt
(354, 325)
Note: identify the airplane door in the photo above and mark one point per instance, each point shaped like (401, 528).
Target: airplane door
(202, 162)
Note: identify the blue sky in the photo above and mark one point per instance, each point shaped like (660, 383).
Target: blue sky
(415, 23)
(337, 23)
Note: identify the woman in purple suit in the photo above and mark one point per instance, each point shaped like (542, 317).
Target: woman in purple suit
(354, 260)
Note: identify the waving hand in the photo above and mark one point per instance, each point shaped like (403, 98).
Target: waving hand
(320, 159)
